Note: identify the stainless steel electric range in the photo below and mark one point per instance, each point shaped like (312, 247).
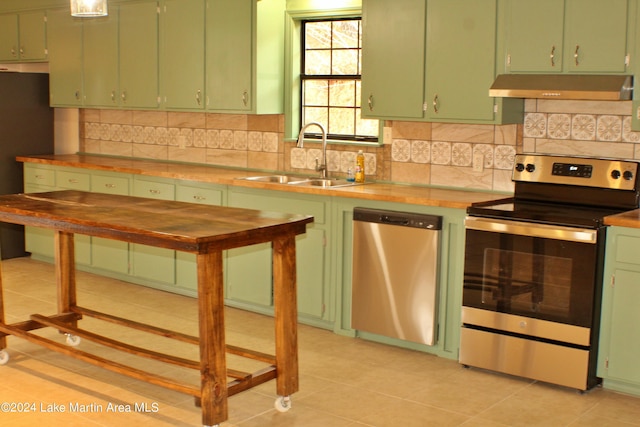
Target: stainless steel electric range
(533, 268)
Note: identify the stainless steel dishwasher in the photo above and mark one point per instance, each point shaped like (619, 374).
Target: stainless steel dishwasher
(395, 274)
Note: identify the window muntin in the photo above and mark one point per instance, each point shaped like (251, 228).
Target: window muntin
(331, 66)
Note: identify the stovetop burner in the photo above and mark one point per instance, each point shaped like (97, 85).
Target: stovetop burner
(572, 191)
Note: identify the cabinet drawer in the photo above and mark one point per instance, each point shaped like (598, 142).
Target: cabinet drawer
(205, 196)
(154, 189)
(626, 249)
(39, 176)
(110, 185)
(73, 180)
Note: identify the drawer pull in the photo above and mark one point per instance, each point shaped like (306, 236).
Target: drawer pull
(39, 176)
(154, 191)
(110, 185)
(73, 181)
(199, 198)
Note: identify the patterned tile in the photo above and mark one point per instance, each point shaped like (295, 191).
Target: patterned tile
(187, 137)
(627, 134)
(400, 150)
(137, 134)
(255, 141)
(535, 125)
(226, 139)
(420, 151)
(162, 136)
(240, 140)
(504, 156)
(487, 153)
(348, 161)
(583, 127)
(440, 153)
(609, 128)
(213, 138)
(559, 126)
(270, 142)
(199, 138)
(461, 154)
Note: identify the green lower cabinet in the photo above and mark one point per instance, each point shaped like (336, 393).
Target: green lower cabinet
(248, 271)
(107, 254)
(619, 350)
(149, 262)
(186, 268)
(39, 241)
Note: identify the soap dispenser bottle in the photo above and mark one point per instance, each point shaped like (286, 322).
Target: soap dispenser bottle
(360, 167)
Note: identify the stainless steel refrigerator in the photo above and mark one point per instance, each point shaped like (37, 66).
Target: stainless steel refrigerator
(26, 128)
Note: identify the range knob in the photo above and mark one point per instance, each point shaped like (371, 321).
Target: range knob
(615, 174)
(628, 175)
(519, 167)
(530, 167)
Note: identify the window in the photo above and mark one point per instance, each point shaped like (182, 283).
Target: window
(330, 80)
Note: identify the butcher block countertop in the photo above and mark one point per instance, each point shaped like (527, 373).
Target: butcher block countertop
(411, 194)
(626, 219)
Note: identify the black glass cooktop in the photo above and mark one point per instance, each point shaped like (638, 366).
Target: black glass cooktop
(544, 213)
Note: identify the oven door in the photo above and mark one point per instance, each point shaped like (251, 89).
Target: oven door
(531, 270)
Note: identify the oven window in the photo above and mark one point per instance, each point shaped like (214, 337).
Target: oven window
(530, 276)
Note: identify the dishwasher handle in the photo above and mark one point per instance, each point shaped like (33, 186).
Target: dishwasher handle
(401, 219)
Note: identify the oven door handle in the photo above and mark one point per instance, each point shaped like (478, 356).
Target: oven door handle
(557, 232)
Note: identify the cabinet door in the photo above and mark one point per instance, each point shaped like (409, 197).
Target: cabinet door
(230, 34)
(595, 36)
(182, 54)
(461, 37)
(65, 58)
(100, 65)
(534, 35)
(9, 37)
(150, 262)
(33, 36)
(624, 345)
(393, 53)
(138, 55)
(108, 254)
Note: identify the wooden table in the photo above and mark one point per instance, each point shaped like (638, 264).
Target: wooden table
(199, 229)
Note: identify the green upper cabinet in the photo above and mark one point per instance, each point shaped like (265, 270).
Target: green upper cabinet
(65, 58)
(100, 60)
(182, 53)
(461, 39)
(539, 53)
(393, 54)
(23, 37)
(245, 56)
(573, 36)
(138, 48)
(121, 57)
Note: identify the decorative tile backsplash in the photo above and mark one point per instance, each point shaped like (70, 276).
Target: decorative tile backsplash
(441, 154)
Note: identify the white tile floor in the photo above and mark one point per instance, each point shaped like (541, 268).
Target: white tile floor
(343, 381)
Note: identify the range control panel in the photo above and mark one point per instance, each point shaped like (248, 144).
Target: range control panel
(590, 172)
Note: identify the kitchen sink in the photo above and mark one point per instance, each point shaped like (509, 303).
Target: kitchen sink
(325, 182)
(301, 181)
(276, 179)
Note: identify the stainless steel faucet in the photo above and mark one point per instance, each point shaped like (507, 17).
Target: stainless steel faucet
(320, 167)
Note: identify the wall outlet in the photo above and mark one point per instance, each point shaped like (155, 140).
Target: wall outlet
(478, 162)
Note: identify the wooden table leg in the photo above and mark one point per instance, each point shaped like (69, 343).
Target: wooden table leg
(213, 367)
(3, 338)
(286, 314)
(65, 271)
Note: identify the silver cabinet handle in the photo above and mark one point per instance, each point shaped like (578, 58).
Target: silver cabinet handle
(123, 96)
(21, 50)
(370, 102)
(575, 55)
(435, 103)
(77, 94)
(553, 56)
(199, 97)
(113, 96)
(72, 181)
(245, 98)
(13, 51)
(199, 198)
(154, 191)
(110, 185)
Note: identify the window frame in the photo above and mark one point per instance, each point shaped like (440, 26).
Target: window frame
(293, 63)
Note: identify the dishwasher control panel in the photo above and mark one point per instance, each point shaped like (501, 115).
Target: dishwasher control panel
(403, 219)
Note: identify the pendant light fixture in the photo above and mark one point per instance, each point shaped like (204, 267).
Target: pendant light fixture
(88, 8)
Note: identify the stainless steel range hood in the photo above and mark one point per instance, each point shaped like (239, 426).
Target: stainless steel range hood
(563, 86)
